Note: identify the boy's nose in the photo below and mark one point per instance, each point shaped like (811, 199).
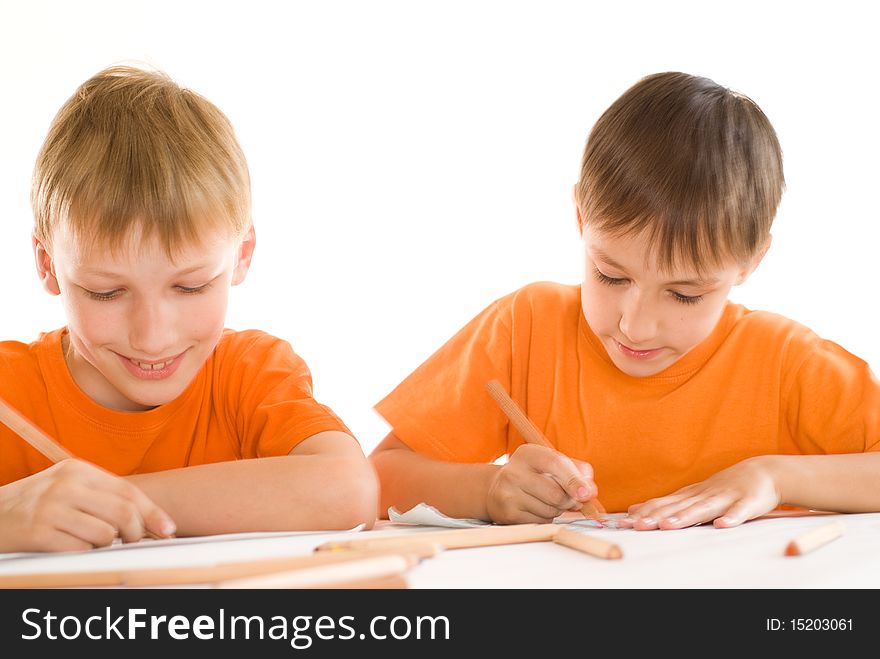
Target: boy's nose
(638, 324)
(151, 333)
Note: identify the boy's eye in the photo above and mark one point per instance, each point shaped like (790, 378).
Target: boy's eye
(99, 295)
(614, 281)
(194, 289)
(605, 279)
(110, 295)
(686, 299)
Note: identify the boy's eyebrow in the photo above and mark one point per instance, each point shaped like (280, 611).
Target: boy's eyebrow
(111, 275)
(679, 282)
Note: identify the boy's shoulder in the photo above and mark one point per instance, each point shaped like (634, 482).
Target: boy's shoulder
(770, 326)
(236, 344)
(541, 300)
(248, 358)
(257, 353)
(25, 367)
(18, 354)
(544, 297)
(792, 341)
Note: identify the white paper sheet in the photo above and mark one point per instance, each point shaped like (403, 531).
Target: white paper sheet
(424, 515)
(147, 543)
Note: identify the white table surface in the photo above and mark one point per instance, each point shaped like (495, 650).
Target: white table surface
(749, 556)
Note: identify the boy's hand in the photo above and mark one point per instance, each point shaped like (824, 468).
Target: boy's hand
(538, 484)
(734, 495)
(74, 505)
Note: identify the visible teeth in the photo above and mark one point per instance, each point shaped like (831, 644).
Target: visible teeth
(151, 367)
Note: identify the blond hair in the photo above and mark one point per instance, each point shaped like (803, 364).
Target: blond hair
(132, 149)
(691, 163)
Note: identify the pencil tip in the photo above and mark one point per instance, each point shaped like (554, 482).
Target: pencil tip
(791, 550)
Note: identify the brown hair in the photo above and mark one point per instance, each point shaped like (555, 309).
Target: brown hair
(695, 165)
(132, 149)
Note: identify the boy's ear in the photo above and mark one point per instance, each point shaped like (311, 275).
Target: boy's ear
(45, 267)
(243, 256)
(577, 209)
(755, 262)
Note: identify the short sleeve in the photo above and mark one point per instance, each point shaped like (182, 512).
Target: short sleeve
(832, 401)
(442, 409)
(269, 397)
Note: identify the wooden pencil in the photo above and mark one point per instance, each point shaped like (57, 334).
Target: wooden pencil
(588, 543)
(591, 509)
(325, 576)
(814, 538)
(202, 574)
(31, 433)
(454, 539)
(414, 551)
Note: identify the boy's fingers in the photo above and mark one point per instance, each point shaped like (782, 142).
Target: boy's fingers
(735, 515)
(585, 469)
(118, 512)
(546, 489)
(86, 527)
(59, 540)
(150, 516)
(565, 472)
(155, 520)
(578, 488)
(541, 511)
(160, 524)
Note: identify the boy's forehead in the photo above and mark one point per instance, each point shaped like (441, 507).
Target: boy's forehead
(635, 253)
(100, 254)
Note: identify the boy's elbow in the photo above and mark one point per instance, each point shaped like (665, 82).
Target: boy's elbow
(358, 493)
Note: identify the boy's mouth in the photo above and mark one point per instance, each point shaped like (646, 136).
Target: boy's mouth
(152, 369)
(637, 354)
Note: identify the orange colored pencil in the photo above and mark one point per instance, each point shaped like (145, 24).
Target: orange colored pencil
(815, 538)
(591, 509)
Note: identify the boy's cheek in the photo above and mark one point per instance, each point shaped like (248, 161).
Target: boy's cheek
(95, 326)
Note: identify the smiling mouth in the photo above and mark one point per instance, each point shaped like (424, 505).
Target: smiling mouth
(152, 369)
(632, 352)
(151, 366)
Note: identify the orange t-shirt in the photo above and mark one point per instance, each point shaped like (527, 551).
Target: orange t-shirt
(252, 398)
(759, 384)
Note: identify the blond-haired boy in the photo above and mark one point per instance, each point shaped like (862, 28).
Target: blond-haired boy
(660, 396)
(141, 198)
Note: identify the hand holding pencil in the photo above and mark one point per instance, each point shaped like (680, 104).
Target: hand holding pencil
(72, 505)
(538, 483)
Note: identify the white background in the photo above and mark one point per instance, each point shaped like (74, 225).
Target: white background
(413, 161)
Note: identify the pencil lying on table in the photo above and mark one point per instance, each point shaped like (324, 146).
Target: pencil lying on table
(592, 509)
(232, 572)
(587, 543)
(486, 536)
(359, 570)
(814, 538)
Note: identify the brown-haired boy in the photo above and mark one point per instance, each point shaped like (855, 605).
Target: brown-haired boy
(141, 197)
(688, 408)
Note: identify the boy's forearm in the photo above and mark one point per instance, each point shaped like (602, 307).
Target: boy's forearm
(843, 483)
(408, 478)
(290, 493)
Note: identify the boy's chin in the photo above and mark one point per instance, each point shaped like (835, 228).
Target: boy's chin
(641, 370)
(150, 399)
